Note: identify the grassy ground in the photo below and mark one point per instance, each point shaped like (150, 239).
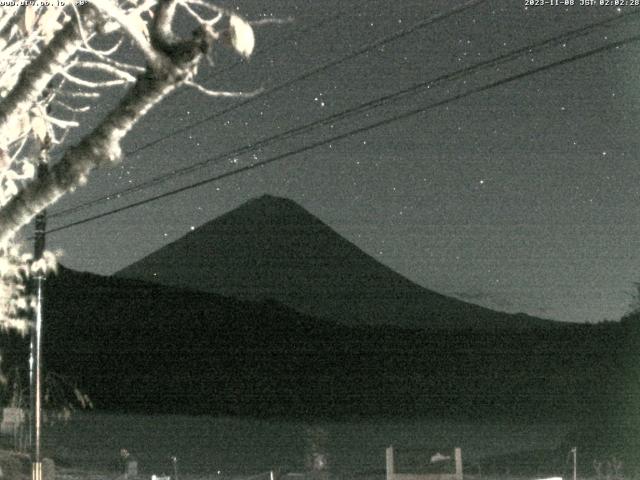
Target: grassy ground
(243, 449)
(16, 466)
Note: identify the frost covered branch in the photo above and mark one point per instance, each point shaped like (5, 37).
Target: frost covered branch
(220, 93)
(53, 68)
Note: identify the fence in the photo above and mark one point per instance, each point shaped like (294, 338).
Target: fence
(392, 474)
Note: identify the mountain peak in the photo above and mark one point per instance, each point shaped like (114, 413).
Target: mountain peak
(261, 218)
(271, 247)
(267, 198)
(274, 205)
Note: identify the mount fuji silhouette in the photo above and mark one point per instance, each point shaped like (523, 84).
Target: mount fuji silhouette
(272, 248)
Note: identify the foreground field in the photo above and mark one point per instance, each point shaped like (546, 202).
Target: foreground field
(223, 448)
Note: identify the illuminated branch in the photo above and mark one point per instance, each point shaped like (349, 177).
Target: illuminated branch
(46, 52)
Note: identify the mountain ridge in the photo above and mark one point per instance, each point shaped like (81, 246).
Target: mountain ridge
(136, 346)
(271, 247)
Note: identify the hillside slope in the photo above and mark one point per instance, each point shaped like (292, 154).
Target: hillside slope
(136, 346)
(273, 248)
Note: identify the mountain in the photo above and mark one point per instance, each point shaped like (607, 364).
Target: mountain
(137, 346)
(272, 248)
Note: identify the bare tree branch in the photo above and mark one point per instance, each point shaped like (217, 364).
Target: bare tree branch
(35, 77)
(102, 145)
(45, 52)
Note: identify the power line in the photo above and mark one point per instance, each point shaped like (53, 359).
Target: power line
(389, 38)
(369, 105)
(285, 40)
(356, 131)
(314, 71)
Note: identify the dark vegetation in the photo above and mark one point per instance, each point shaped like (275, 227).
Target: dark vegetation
(140, 347)
(180, 347)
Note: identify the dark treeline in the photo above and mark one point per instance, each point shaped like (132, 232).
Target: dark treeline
(134, 346)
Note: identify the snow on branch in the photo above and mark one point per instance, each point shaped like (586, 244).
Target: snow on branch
(34, 77)
(221, 93)
(54, 73)
(133, 25)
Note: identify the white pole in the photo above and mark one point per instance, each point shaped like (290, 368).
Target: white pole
(458, 456)
(36, 343)
(390, 463)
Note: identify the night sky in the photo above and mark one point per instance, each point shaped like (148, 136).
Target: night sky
(523, 197)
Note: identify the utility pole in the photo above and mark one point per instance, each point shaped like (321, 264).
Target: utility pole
(35, 362)
(574, 450)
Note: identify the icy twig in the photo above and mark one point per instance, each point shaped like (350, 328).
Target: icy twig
(109, 69)
(134, 27)
(219, 93)
(89, 84)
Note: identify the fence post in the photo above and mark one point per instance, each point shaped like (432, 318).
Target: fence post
(390, 464)
(458, 455)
